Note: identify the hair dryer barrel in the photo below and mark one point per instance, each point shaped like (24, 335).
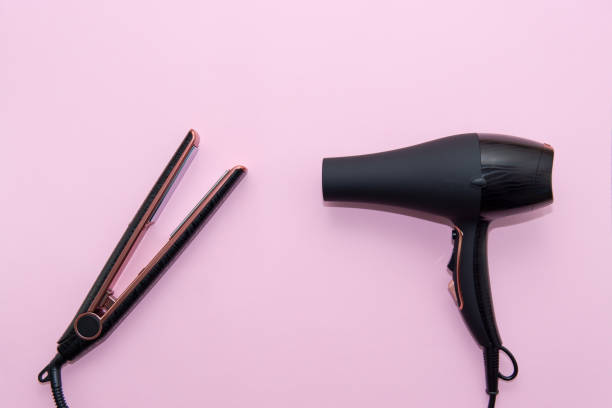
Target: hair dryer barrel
(433, 177)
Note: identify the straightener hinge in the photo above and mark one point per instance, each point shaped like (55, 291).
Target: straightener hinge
(107, 301)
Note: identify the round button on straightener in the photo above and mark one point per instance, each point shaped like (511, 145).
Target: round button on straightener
(88, 326)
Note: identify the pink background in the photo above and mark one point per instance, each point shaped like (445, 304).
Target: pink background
(283, 301)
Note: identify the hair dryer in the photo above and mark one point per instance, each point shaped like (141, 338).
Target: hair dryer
(469, 179)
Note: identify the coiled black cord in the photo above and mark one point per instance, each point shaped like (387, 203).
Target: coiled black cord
(52, 373)
(491, 360)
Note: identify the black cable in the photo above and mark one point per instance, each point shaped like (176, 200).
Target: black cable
(52, 373)
(491, 362)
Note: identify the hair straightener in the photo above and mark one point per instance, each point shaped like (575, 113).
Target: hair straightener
(102, 310)
(469, 179)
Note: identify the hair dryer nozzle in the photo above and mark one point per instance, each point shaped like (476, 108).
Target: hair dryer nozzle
(432, 177)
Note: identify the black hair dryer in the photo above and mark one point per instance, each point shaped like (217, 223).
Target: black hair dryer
(470, 179)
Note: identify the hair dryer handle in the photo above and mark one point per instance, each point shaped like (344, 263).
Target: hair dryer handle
(472, 292)
(471, 281)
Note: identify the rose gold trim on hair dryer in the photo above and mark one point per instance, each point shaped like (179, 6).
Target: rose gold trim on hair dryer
(459, 247)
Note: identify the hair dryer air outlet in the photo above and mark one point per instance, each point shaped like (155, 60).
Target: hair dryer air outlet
(469, 179)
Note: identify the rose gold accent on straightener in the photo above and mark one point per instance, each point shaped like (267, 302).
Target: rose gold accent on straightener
(145, 271)
(126, 260)
(459, 246)
(195, 137)
(108, 301)
(144, 222)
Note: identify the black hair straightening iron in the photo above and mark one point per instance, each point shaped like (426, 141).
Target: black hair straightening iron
(101, 311)
(469, 179)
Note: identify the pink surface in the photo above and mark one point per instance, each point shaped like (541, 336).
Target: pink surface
(283, 301)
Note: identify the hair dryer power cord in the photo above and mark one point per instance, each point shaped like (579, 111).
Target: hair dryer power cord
(491, 360)
(52, 373)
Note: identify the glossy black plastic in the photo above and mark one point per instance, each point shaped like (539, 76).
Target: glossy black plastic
(469, 179)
